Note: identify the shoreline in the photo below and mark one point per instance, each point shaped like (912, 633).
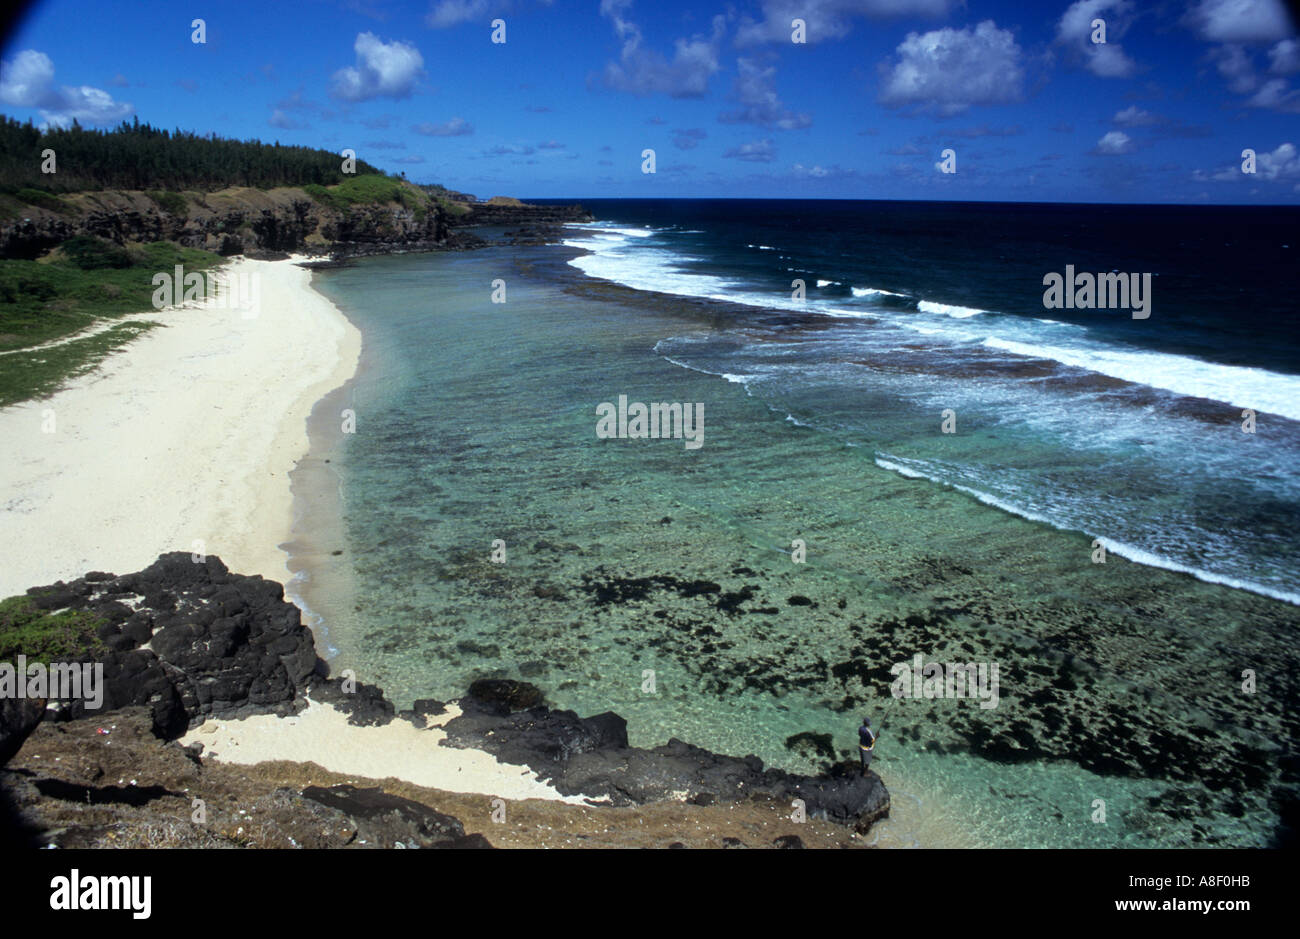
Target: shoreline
(316, 548)
(188, 435)
(274, 513)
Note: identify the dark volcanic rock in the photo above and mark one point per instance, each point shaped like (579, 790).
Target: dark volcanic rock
(219, 644)
(383, 820)
(18, 718)
(523, 214)
(421, 710)
(365, 705)
(590, 756)
(538, 735)
(502, 695)
(474, 842)
(812, 744)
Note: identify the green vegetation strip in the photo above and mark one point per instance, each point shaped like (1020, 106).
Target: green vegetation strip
(46, 637)
(370, 189)
(83, 280)
(42, 372)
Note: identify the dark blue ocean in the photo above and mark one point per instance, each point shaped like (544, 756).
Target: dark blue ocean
(1127, 429)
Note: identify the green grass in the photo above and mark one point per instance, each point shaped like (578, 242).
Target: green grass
(46, 637)
(41, 372)
(49, 299)
(91, 254)
(368, 189)
(43, 199)
(453, 208)
(173, 203)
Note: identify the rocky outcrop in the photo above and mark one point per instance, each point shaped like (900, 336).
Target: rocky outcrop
(111, 783)
(520, 213)
(383, 820)
(190, 640)
(590, 756)
(18, 718)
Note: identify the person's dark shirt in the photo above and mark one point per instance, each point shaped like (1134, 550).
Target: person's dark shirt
(865, 737)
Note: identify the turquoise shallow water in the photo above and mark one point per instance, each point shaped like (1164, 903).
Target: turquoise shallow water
(476, 422)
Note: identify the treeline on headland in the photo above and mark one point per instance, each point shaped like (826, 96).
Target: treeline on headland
(140, 156)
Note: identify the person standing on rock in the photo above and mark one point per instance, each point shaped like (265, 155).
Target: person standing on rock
(866, 743)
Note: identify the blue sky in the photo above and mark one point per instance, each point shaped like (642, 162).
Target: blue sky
(1032, 107)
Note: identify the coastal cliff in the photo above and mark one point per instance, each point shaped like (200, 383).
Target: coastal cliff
(262, 221)
(182, 642)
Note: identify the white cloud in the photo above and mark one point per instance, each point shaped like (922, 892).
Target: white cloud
(1234, 64)
(642, 71)
(1281, 165)
(1276, 95)
(760, 105)
(829, 19)
(1241, 20)
(950, 70)
(1074, 31)
(388, 70)
(834, 171)
(1134, 116)
(758, 151)
(28, 82)
(1284, 58)
(453, 12)
(445, 13)
(1114, 143)
(456, 127)
(1110, 61)
(27, 79)
(285, 122)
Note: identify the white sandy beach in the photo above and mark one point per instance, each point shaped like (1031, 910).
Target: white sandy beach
(321, 734)
(187, 435)
(190, 434)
